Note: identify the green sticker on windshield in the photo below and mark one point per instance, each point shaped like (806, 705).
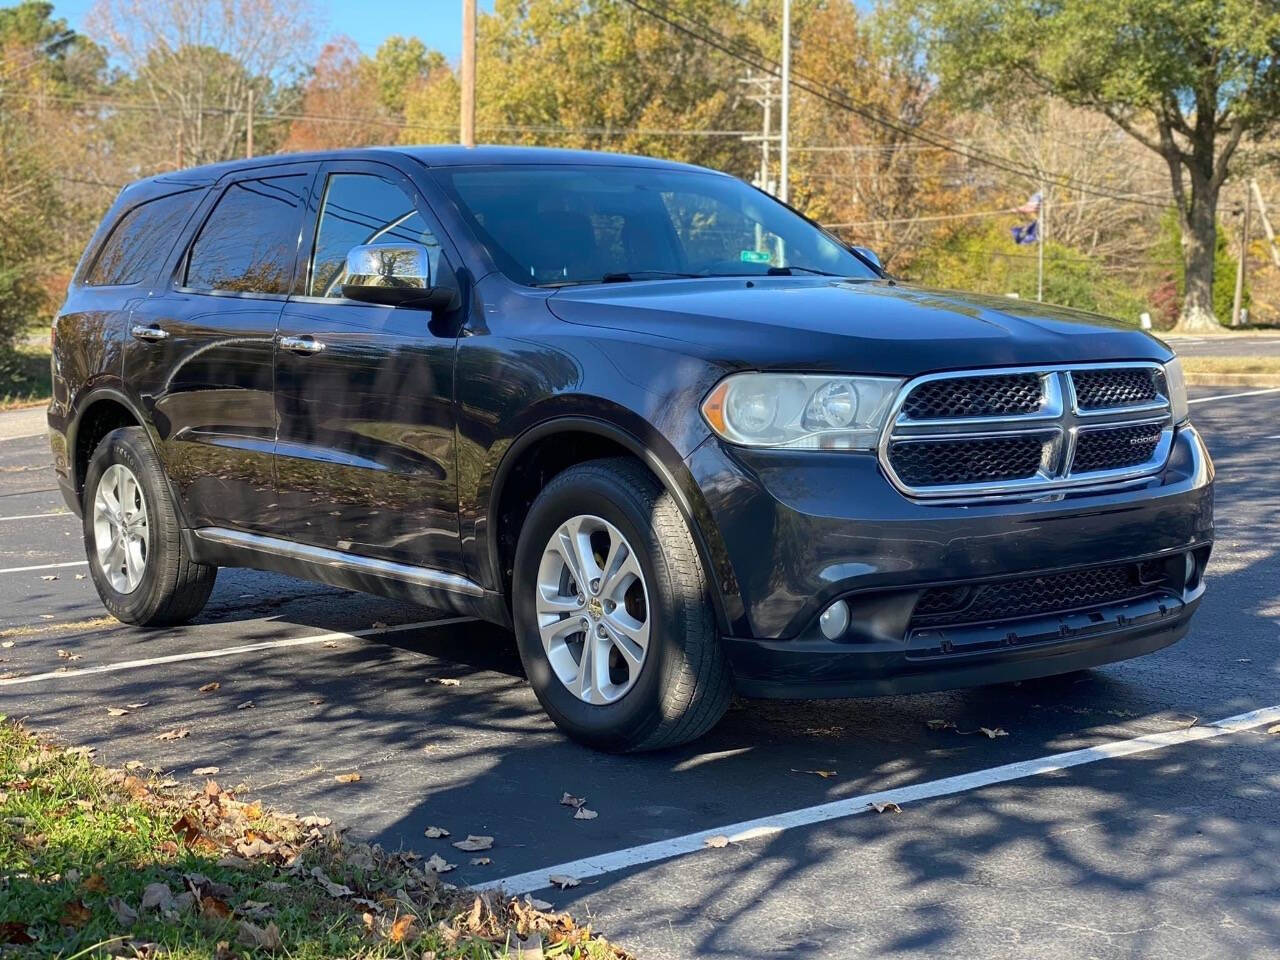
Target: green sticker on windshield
(756, 256)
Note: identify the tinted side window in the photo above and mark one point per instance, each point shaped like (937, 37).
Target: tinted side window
(249, 242)
(361, 208)
(140, 239)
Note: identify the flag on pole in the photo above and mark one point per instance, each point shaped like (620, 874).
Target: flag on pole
(1032, 206)
(1030, 233)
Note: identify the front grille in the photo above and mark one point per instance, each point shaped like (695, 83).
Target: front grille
(1120, 387)
(1115, 448)
(975, 460)
(962, 397)
(1041, 428)
(1023, 597)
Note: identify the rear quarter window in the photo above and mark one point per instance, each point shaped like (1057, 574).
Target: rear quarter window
(140, 240)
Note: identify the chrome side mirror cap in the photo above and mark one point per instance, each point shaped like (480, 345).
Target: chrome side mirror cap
(395, 275)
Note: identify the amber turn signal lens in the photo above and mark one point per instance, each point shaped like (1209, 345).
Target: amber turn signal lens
(713, 407)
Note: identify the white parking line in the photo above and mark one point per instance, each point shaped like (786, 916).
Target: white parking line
(231, 651)
(46, 566)
(39, 516)
(1232, 396)
(768, 826)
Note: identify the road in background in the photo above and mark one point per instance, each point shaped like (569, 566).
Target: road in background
(1169, 853)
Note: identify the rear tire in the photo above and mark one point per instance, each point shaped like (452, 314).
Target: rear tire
(682, 685)
(133, 538)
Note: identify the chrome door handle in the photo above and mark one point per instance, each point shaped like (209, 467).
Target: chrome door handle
(152, 333)
(302, 344)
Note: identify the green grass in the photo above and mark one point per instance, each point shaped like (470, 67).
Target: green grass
(80, 845)
(1257, 364)
(24, 371)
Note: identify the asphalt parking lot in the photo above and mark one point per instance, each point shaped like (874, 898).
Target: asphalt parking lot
(1159, 840)
(1228, 345)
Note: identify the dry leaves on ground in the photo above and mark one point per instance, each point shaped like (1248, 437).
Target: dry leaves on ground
(582, 813)
(474, 844)
(259, 938)
(562, 881)
(68, 655)
(887, 807)
(348, 777)
(117, 711)
(210, 687)
(569, 800)
(435, 833)
(1275, 729)
(437, 864)
(180, 733)
(718, 842)
(204, 771)
(445, 681)
(824, 774)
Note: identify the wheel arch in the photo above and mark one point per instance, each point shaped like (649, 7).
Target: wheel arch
(578, 439)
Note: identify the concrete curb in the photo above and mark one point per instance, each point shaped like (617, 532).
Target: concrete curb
(1233, 379)
(23, 423)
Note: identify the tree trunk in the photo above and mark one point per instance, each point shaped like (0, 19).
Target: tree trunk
(1199, 244)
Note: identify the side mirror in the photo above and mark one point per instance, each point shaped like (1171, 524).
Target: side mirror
(395, 275)
(866, 253)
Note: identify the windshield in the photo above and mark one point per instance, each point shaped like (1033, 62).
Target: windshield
(551, 226)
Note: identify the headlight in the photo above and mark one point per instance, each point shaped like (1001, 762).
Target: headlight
(800, 411)
(1176, 384)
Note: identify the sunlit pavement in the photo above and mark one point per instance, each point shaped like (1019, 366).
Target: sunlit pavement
(1168, 853)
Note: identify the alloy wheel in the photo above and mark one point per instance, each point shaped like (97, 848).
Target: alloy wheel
(120, 528)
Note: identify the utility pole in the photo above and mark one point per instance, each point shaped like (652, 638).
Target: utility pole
(1238, 302)
(763, 91)
(248, 127)
(467, 123)
(1266, 222)
(784, 173)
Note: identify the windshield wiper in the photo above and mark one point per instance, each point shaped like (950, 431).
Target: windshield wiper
(786, 271)
(629, 275)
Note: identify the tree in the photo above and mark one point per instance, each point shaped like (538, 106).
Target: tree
(340, 103)
(1188, 79)
(201, 63)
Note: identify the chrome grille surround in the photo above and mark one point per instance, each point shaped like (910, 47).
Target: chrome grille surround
(1060, 418)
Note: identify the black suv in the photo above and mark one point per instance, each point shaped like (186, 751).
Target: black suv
(679, 438)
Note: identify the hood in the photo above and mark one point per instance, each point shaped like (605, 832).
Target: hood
(878, 326)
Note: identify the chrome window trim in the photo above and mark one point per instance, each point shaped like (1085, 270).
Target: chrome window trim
(1059, 410)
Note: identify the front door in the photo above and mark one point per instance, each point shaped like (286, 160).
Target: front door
(365, 458)
(202, 348)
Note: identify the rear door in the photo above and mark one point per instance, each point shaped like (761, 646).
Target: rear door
(365, 457)
(203, 344)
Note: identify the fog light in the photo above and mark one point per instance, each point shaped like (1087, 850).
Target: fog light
(834, 620)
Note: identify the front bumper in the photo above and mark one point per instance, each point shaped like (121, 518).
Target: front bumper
(803, 529)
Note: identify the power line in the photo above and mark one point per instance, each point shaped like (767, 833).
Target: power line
(759, 61)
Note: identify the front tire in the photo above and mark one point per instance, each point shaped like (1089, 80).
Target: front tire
(133, 538)
(613, 612)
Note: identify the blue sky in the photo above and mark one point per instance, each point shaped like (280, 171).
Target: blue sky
(437, 22)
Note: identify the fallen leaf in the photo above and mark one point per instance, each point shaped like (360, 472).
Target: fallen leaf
(15, 933)
(445, 681)
(95, 884)
(204, 771)
(137, 706)
(259, 938)
(582, 813)
(569, 800)
(247, 705)
(1275, 729)
(7, 644)
(379, 625)
(717, 842)
(214, 908)
(436, 864)
(210, 687)
(539, 904)
(49, 576)
(235, 862)
(329, 643)
(940, 725)
(563, 882)
(993, 732)
(179, 734)
(83, 752)
(480, 861)
(824, 774)
(887, 807)
(435, 833)
(117, 711)
(68, 655)
(157, 896)
(134, 765)
(79, 576)
(125, 915)
(347, 777)
(331, 888)
(310, 821)
(316, 701)
(75, 914)
(403, 928)
(474, 844)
